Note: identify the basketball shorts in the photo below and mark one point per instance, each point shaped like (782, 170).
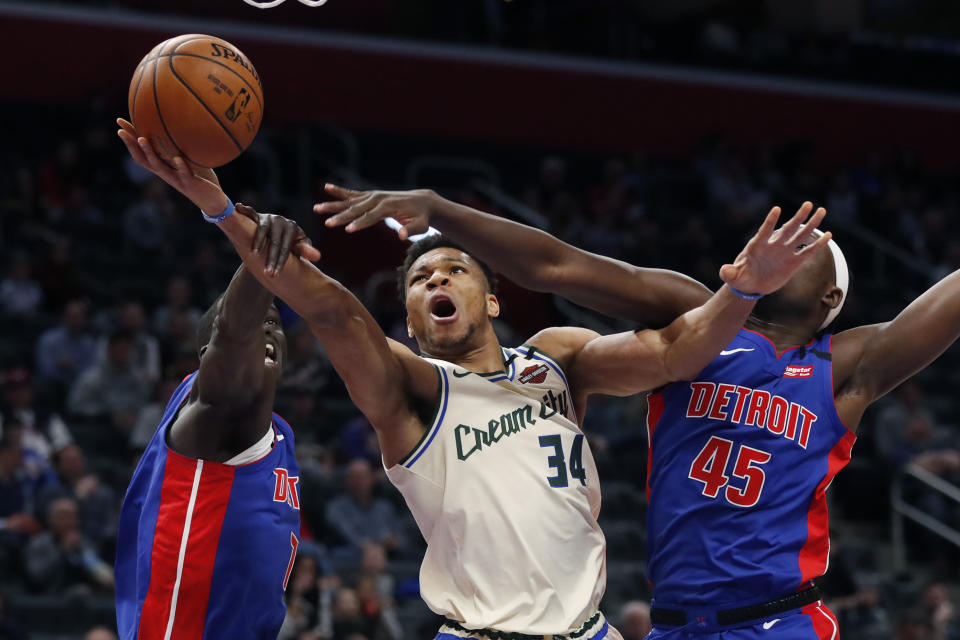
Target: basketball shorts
(812, 622)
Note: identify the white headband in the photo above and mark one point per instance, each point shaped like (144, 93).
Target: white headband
(841, 277)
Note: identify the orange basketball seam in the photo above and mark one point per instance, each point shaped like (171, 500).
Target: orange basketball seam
(136, 91)
(204, 104)
(156, 102)
(161, 55)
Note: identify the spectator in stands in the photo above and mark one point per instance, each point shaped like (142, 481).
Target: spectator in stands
(302, 599)
(113, 387)
(375, 591)
(348, 616)
(66, 350)
(179, 337)
(147, 222)
(97, 503)
(914, 625)
(940, 610)
(634, 621)
(358, 517)
(59, 275)
(20, 294)
(906, 432)
(179, 298)
(17, 520)
(308, 369)
(149, 415)
(130, 317)
(61, 558)
(44, 430)
(10, 629)
(100, 633)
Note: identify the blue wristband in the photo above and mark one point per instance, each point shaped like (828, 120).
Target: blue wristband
(745, 296)
(220, 217)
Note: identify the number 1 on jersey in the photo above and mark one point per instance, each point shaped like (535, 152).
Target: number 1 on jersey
(709, 466)
(294, 543)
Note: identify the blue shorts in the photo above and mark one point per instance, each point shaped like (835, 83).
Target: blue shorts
(812, 622)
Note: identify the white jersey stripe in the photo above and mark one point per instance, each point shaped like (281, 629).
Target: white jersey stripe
(183, 548)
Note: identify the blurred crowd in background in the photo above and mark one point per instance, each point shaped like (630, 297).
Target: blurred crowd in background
(106, 272)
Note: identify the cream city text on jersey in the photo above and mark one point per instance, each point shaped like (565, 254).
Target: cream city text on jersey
(471, 440)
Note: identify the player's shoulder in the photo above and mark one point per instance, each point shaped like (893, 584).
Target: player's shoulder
(561, 344)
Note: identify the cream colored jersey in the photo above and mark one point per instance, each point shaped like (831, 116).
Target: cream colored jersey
(505, 491)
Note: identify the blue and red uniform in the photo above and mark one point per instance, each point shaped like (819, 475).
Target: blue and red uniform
(740, 460)
(204, 549)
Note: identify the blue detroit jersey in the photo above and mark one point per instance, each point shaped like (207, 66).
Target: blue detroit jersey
(740, 460)
(204, 550)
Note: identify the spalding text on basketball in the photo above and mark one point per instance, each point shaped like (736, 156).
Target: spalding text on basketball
(219, 51)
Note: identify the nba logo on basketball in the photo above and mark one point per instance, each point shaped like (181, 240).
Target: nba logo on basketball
(285, 489)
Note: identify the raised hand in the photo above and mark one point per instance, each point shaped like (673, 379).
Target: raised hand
(361, 209)
(772, 256)
(202, 187)
(278, 237)
(198, 184)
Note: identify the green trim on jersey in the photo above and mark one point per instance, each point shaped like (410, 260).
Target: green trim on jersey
(532, 350)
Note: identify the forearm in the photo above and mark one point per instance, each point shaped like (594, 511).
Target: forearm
(912, 340)
(695, 338)
(536, 260)
(355, 343)
(243, 307)
(313, 295)
(627, 363)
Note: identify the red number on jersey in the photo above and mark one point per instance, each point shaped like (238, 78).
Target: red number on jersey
(709, 466)
(750, 494)
(294, 543)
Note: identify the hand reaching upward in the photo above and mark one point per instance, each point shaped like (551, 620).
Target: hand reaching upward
(773, 255)
(361, 209)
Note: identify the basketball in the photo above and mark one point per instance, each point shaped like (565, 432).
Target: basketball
(198, 97)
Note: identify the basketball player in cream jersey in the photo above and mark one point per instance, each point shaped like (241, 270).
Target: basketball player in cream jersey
(484, 442)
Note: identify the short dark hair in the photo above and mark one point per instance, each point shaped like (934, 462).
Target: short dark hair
(431, 242)
(205, 326)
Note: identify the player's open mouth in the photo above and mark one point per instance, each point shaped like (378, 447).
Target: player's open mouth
(443, 311)
(271, 355)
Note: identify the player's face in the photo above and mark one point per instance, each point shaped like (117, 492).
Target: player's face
(276, 342)
(447, 301)
(806, 289)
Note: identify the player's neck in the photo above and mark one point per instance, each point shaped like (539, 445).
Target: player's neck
(781, 334)
(484, 356)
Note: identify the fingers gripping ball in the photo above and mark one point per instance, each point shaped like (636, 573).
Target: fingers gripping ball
(198, 97)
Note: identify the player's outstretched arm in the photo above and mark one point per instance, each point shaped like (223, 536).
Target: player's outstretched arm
(627, 363)
(530, 257)
(394, 388)
(231, 364)
(872, 360)
(386, 381)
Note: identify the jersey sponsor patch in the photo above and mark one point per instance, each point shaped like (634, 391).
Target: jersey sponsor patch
(535, 374)
(798, 371)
